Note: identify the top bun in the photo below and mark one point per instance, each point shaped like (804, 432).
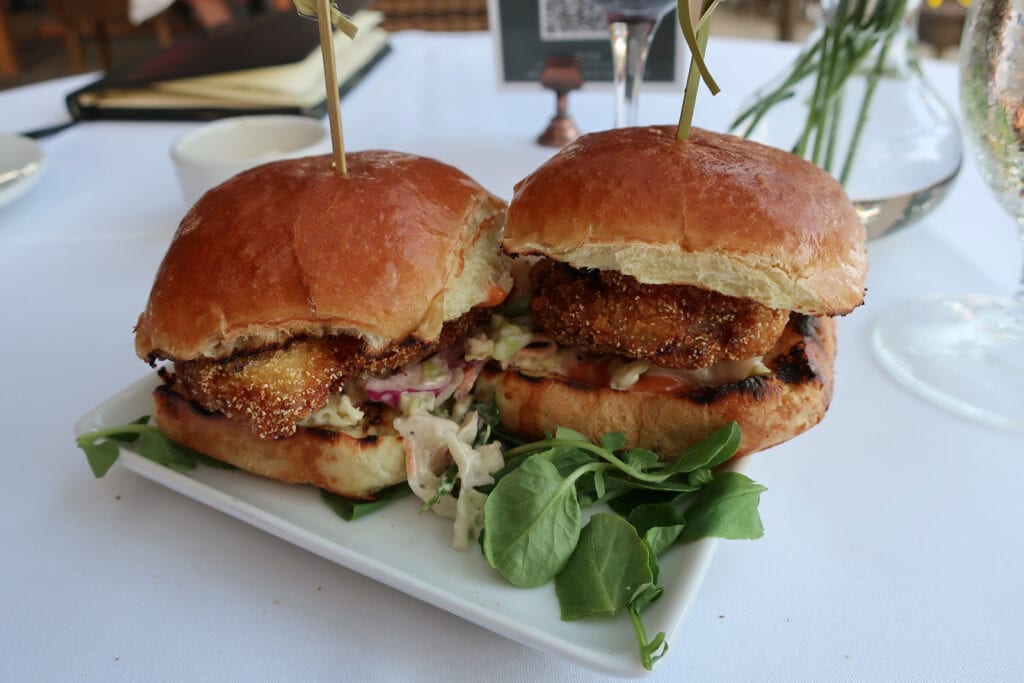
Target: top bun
(396, 247)
(715, 211)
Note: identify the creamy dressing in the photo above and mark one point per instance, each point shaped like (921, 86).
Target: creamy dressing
(431, 443)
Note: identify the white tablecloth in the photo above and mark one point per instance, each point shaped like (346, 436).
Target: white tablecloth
(894, 547)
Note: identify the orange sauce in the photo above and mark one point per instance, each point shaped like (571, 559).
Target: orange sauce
(661, 384)
(596, 373)
(593, 372)
(495, 295)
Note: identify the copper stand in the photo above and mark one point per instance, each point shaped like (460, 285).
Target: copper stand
(561, 74)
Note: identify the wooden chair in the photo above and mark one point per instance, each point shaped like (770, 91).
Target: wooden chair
(8, 60)
(98, 17)
(433, 15)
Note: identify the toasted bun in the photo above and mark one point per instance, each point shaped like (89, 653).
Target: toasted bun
(394, 248)
(335, 461)
(769, 409)
(715, 211)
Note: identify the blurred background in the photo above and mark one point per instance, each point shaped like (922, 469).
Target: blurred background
(43, 39)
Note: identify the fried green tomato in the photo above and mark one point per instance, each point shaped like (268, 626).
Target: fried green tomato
(274, 388)
(676, 326)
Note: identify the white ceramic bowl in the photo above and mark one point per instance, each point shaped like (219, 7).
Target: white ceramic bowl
(210, 154)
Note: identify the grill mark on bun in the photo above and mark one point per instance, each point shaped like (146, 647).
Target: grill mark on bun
(331, 436)
(756, 387)
(796, 365)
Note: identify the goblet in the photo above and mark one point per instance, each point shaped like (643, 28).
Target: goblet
(632, 24)
(968, 354)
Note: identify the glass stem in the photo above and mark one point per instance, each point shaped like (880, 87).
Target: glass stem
(631, 41)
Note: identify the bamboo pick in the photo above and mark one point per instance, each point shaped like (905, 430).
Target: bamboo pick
(326, 26)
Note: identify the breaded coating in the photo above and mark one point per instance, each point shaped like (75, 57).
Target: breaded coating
(274, 388)
(676, 326)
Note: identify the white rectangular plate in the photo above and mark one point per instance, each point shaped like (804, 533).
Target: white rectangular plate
(412, 552)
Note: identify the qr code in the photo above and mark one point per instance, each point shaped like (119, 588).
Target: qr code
(571, 20)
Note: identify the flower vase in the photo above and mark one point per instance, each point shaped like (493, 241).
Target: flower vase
(856, 103)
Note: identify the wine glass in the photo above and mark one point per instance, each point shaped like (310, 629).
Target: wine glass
(967, 354)
(632, 24)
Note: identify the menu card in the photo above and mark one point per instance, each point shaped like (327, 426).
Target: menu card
(526, 32)
(268, 64)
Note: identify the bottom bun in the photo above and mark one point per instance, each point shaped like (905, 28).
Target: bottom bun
(340, 463)
(769, 408)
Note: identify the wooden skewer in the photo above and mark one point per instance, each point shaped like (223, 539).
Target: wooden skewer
(323, 20)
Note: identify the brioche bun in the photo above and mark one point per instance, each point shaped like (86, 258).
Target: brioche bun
(355, 466)
(769, 408)
(369, 268)
(714, 211)
(395, 248)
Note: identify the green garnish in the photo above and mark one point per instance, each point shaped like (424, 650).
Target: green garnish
(533, 519)
(103, 446)
(533, 530)
(352, 508)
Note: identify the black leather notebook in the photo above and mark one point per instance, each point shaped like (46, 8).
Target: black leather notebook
(270, 63)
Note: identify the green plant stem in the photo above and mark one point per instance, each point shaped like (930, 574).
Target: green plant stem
(835, 114)
(803, 68)
(94, 436)
(650, 651)
(865, 106)
(846, 41)
(602, 453)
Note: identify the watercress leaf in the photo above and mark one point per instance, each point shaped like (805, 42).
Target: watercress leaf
(101, 455)
(669, 485)
(661, 538)
(510, 466)
(126, 436)
(715, 449)
(566, 434)
(568, 459)
(649, 594)
(102, 447)
(599, 487)
(651, 515)
(613, 441)
(605, 570)
(624, 503)
(726, 508)
(657, 523)
(652, 562)
(156, 447)
(531, 523)
(700, 477)
(641, 458)
(351, 508)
